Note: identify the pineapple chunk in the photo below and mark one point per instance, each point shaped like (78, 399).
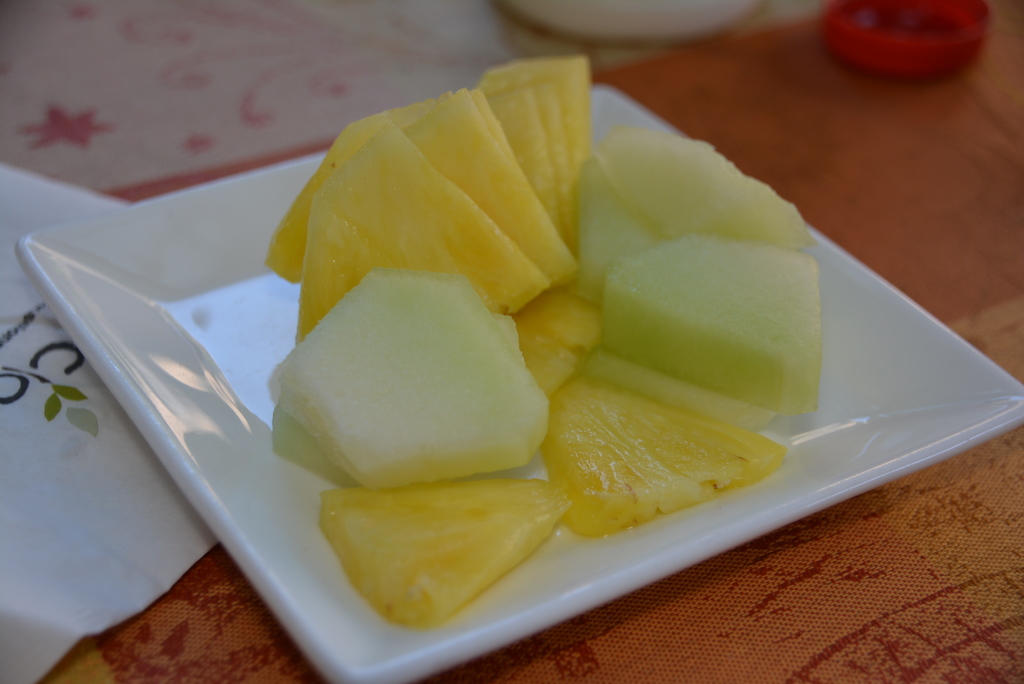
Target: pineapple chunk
(561, 88)
(388, 206)
(570, 77)
(550, 107)
(556, 332)
(493, 124)
(288, 245)
(621, 457)
(419, 553)
(463, 138)
(519, 115)
(459, 141)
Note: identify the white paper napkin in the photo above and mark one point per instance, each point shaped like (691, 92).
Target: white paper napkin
(92, 529)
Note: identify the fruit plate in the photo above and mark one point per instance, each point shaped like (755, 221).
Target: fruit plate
(171, 303)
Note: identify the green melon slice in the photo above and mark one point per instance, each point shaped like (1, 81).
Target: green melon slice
(682, 186)
(292, 442)
(643, 186)
(604, 365)
(608, 229)
(410, 378)
(741, 318)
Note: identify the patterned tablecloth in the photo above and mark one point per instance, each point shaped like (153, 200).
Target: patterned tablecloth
(918, 580)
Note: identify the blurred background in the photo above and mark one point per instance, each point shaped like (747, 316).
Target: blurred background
(158, 88)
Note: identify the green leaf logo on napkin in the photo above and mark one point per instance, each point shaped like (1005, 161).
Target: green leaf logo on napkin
(81, 418)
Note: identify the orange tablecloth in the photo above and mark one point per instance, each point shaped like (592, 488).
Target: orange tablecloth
(918, 580)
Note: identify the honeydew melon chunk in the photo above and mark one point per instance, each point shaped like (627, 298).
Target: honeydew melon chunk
(681, 186)
(456, 138)
(410, 378)
(288, 244)
(605, 366)
(519, 115)
(388, 206)
(608, 229)
(292, 442)
(741, 318)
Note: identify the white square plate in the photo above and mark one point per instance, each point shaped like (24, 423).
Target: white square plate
(171, 303)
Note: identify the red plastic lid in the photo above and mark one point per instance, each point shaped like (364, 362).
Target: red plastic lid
(908, 38)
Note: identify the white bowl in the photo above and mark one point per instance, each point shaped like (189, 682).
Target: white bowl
(634, 19)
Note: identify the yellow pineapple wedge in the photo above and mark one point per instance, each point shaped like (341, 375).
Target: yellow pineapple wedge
(288, 245)
(493, 124)
(571, 77)
(561, 88)
(622, 458)
(388, 206)
(459, 139)
(419, 553)
(550, 106)
(518, 112)
(556, 332)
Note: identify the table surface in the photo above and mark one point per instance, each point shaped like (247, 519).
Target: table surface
(918, 580)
